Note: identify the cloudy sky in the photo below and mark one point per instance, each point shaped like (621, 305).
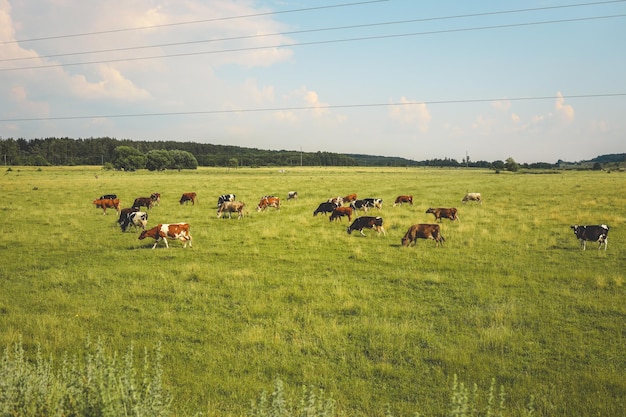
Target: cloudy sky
(536, 80)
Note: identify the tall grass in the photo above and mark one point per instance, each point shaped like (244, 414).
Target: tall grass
(285, 294)
(94, 383)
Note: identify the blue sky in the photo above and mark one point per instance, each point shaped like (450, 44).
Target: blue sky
(409, 78)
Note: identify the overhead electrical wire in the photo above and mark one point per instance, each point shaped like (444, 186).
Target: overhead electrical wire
(295, 32)
(217, 19)
(193, 42)
(362, 38)
(337, 106)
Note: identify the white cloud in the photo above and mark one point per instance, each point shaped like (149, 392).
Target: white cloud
(111, 85)
(565, 111)
(411, 112)
(502, 105)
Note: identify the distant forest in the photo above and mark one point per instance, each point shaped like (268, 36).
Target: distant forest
(163, 155)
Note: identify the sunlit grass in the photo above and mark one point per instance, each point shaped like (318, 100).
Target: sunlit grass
(285, 294)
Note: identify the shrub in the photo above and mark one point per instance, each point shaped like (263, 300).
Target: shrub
(97, 384)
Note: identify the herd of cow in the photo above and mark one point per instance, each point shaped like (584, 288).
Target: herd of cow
(336, 207)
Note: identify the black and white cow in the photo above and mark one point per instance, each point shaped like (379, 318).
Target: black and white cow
(596, 233)
(225, 197)
(135, 219)
(360, 205)
(367, 222)
(374, 202)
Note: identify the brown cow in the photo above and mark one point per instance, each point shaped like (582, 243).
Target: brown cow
(350, 198)
(444, 213)
(231, 207)
(423, 231)
(156, 198)
(268, 201)
(178, 231)
(147, 202)
(403, 199)
(367, 222)
(187, 197)
(105, 203)
(339, 212)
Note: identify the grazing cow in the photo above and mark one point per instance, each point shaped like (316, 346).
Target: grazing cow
(444, 213)
(292, 195)
(135, 219)
(225, 197)
(125, 212)
(374, 202)
(403, 199)
(156, 198)
(598, 234)
(146, 202)
(268, 201)
(423, 231)
(231, 207)
(339, 212)
(325, 207)
(187, 197)
(472, 197)
(367, 222)
(108, 197)
(360, 205)
(350, 198)
(105, 203)
(178, 231)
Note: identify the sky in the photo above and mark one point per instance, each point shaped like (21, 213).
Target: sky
(532, 80)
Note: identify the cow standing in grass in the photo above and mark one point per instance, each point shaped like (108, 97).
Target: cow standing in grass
(231, 207)
(444, 213)
(367, 222)
(596, 233)
(472, 197)
(423, 231)
(178, 231)
(105, 203)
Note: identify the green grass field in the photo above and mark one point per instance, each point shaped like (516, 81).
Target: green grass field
(284, 294)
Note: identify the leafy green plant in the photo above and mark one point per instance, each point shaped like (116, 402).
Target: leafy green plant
(95, 384)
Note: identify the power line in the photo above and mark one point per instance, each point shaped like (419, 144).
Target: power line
(217, 19)
(363, 38)
(312, 30)
(337, 106)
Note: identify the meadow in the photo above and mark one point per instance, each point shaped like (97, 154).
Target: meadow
(284, 294)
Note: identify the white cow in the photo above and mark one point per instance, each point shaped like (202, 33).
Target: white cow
(472, 197)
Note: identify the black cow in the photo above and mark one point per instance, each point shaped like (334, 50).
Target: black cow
(596, 233)
(108, 196)
(325, 207)
(367, 222)
(225, 197)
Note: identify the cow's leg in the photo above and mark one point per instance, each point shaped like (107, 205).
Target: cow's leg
(165, 240)
(155, 243)
(362, 232)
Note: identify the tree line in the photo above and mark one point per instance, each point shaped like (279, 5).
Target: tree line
(159, 155)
